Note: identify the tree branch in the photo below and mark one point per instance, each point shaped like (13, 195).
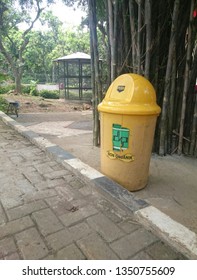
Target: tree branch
(25, 39)
(39, 11)
(7, 55)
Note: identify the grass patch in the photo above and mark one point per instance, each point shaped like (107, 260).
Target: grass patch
(48, 94)
(6, 88)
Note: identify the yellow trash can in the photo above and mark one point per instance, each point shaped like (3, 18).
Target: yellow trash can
(128, 115)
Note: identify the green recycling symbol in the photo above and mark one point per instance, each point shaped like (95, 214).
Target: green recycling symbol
(120, 137)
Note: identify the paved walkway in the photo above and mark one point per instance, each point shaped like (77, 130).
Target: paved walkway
(49, 211)
(172, 184)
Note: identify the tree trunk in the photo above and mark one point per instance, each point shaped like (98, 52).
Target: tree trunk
(163, 132)
(18, 77)
(16, 70)
(148, 37)
(115, 38)
(194, 129)
(139, 36)
(126, 33)
(156, 65)
(97, 91)
(111, 39)
(171, 104)
(133, 34)
(186, 80)
(192, 90)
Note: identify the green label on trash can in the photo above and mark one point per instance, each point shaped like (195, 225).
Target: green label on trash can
(120, 137)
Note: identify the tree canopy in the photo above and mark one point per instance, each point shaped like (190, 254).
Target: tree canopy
(13, 41)
(28, 53)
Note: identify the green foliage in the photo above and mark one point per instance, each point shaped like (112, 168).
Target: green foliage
(26, 89)
(48, 94)
(32, 53)
(3, 104)
(15, 16)
(87, 95)
(48, 45)
(6, 88)
(3, 77)
(33, 89)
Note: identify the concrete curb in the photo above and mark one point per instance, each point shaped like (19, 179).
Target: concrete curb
(177, 235)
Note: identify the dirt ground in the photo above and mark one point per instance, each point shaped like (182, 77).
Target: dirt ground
(37, 104)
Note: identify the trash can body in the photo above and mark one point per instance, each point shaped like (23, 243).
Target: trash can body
(128, 117)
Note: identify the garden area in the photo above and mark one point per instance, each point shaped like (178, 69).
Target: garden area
(32, 100)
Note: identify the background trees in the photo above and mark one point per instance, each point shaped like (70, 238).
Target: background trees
(12, 41)
(46, 45)
(157, 39)
(26, 53)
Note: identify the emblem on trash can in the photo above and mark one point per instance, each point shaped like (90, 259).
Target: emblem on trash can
(120, 137)
(120, 141)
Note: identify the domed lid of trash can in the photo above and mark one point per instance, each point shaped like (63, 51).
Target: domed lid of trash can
(130, 94)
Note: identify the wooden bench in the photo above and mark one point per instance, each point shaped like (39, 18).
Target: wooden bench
(13, 106)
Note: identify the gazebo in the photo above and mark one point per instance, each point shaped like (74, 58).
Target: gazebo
(74, 76)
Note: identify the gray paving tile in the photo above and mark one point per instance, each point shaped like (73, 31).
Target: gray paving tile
(79, 215)
(94, 248)
(105, 227)
(80, 230)
(60, 205)
(132, 243)
(37, 195)
(13, 256)
(15, 226)
(129, 225)
(112, 211)
(43, 168)
(68, 192)
(59, 239)
(161, 251)
(24, 185)
(50, 184)
(71, 252)
(7, 246)
(47, 221)
(33, 177)
(26, 209)
(141, 256)
(56, 174)
(31, 244)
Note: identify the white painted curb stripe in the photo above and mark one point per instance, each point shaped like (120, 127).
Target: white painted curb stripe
(83, 168)
(174, 232)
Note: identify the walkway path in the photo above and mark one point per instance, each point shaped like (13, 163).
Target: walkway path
(47, 211)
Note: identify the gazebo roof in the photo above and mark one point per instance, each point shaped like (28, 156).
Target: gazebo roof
(74, 56)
